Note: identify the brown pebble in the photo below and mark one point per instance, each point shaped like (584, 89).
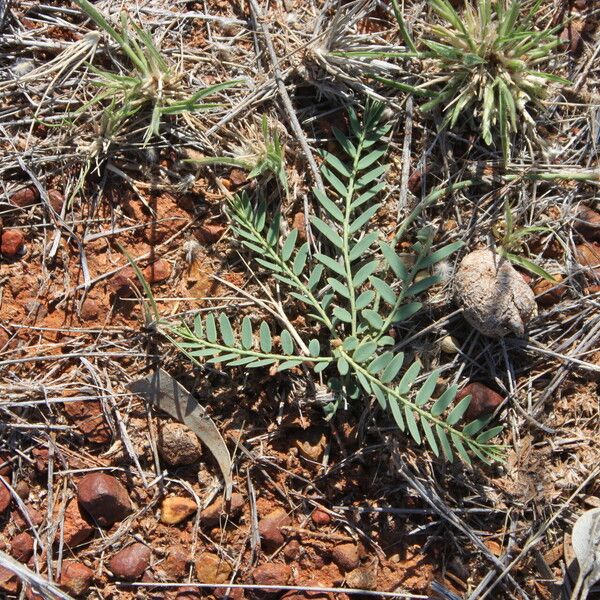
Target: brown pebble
(123, 281)
(549, 292)
(25, 197)
(587, 224)
(9, 582)
(35, 516)
(272, 574)
(176, 562)
(178, 445)
(21, 547)
(238, 177)
(130, 562)
(56, 200)
(90, 309)
(77, 528)
(5, 459)
(588, 256)
(104, 497)
(176, 509)
(320, 518)
(158, 271)
(345, 556)
(363, 578)
(75, 577)
(41, 456)
(210, 234)
(23, 490)
(219, 510)
(570, 36)
(291, 550)
(89, 418)
(12, 244)
(210, 568)
(224, 593)
(189, 593)
(414, 181)
(4, 498)
(484, 400)
(269, 528)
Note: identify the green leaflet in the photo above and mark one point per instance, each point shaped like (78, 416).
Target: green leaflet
(266, 341)
(289, 245)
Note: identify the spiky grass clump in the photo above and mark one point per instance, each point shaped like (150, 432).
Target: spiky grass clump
(486, 65)
(151, 91)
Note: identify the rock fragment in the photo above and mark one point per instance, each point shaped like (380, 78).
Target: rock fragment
(212, 515)
(25, 197)
(75, 577)
(587, 224)
(21, 547)
(176, 509)
(76, 528)
(4, 498)
(496, 300)
(320, 518)
(272, 574)
(484, 400)
(269, 529)
(104, 498)
(178, 445)
(346, 556)
(211, 568)
(130, 562)
(12, 243)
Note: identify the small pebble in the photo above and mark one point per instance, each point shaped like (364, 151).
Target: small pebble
(212, 515)
(176, 509)
(56, 200)
(25, 197)
(21, 547)
(75, 577)
(178, 445)
(104, 498)
(587, 224)
(345, 556)
(320, 518)
(269, 529)
(12, 243)
(211, 568)
(210, 234)
(158, 271)
(484, 400)
(77, 528)
(130, 562)
(4, 498)
(90, 309)
(272, 574)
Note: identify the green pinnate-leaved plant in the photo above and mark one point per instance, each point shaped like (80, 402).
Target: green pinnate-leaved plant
(355, 289)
